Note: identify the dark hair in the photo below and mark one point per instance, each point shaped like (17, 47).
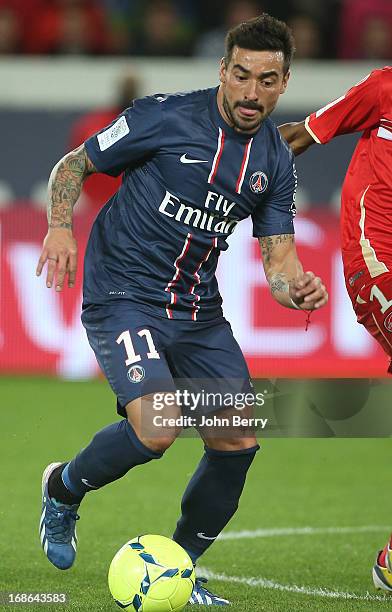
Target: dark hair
(263, 33)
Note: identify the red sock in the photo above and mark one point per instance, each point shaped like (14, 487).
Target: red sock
(381, 558)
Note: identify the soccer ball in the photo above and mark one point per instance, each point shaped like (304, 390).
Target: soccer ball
(151, 574)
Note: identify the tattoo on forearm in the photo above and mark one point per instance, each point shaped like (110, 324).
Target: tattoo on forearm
(278, 282)
(267, 244)
(64, 187)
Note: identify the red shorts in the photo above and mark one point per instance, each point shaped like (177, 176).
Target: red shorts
(372, 302)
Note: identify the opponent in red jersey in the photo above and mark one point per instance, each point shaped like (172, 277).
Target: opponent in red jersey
(366, 217)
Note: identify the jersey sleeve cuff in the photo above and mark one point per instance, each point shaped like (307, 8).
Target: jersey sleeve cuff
(96, 160)
(274, 230)
(310, 131)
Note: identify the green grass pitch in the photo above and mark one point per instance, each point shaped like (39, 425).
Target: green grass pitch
(294, 483)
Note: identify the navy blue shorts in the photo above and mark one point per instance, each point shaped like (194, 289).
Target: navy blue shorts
(141, 354)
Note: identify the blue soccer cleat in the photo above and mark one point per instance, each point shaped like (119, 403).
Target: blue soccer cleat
(57, 526)
(202, 597)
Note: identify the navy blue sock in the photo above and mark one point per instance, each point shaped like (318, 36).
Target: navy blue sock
(110, 455)
(211, 498)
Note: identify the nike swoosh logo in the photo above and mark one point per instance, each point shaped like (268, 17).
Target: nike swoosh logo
(204, 537)
(360, 300)
(185, 160)
(86, 482)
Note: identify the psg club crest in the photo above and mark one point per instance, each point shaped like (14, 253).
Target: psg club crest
(258, 182)
(136, 374)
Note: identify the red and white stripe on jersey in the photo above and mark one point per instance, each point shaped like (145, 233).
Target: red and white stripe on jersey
(385, 129)
(244, 166)
(177, 275)
(218, 155)
(217, 158)
(196, 308)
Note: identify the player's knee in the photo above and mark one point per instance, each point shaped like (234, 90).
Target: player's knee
(232, 444)
(159, 444)
(157, 430)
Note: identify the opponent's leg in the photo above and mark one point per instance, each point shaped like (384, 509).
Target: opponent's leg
(372, 304)
(382, 569)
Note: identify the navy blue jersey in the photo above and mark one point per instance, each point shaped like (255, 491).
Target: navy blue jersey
(189, 178)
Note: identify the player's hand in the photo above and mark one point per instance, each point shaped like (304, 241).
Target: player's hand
(60, 251)
(308, 291)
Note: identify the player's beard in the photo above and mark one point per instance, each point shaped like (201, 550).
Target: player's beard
(239, 125)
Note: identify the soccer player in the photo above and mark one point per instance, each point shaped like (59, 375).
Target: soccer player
(194, 165)
(366, 217)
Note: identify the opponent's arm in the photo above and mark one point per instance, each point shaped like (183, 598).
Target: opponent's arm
(360, 108)
(289, 284)
(296, 136)
(59, 247)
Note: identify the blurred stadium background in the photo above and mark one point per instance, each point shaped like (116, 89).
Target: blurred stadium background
(67, 67)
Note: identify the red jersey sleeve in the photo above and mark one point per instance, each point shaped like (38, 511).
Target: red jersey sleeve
(355, 111)
(386, 95)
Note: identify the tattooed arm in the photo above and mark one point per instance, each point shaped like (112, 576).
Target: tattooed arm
(59, 248)
(289, 284)
(65, 184)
